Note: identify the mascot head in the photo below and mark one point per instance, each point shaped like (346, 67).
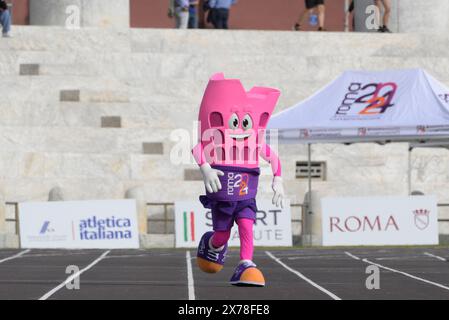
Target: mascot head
(234, 120)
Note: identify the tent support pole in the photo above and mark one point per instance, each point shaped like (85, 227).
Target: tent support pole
(409, 171)
(309, 169)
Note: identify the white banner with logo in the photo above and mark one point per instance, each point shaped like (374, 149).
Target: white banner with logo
(272, 226)
(380, 221)
(79, 224)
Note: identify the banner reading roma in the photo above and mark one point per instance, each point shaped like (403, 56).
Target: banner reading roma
(380, 221)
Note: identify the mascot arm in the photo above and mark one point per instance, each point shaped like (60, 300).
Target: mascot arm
(210, 175)
(272, 158)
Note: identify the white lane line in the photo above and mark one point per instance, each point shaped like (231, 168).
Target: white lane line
(73, 277)
(190, 283)
(434, 256)
(309, 257)
(351, 255)
(405, 274)
(15, 256)
(299, 274)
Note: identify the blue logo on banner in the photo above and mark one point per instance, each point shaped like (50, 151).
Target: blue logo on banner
(46, 228)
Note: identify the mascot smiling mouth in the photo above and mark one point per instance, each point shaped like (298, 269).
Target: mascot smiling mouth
(242, 136)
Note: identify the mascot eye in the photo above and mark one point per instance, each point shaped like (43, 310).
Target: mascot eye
(234, 122)
(247, 122)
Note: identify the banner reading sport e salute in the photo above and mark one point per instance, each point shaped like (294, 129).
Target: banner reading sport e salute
(272, 227)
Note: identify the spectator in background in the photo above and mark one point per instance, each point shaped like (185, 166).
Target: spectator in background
(5, 19)
(220, 12)
(311, 5)
(350, 17)
(193, 14)
(179, 9)
(386, 18)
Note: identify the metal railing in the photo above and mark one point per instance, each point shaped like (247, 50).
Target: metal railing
(443, 205)
(168, 221)
(14, 220)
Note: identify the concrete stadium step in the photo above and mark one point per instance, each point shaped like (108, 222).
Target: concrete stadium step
(147, 67)
(79, 140)
(37, 38)
(168, 92)
(18, 190)
(96, 89)
(26, 165)
(236, 42)
(96, 115)
(301, 43)
(37, 189)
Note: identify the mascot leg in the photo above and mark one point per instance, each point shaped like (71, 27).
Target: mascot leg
(212, 251)
(246, 273)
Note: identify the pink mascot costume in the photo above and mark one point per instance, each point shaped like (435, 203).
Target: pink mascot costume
(232, 131)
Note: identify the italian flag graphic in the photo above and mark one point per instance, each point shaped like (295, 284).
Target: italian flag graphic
(189, 226)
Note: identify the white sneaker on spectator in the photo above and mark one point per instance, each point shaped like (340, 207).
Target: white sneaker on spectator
(7, 35)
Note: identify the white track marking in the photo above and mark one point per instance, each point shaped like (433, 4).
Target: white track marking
(299, 274)
(190, 283)
(351, 255)
(405, 274)
(73, 277)
(304, 257)
(434, 256)
(15, 256)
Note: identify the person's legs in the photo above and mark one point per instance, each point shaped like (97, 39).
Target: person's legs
(193, 21)
(182, 18)
(5, 21)
(177, 18)
(321, 15)
(310, 5)
(219, 19)
(225, 14)
(302, 17)
(378, 4)
(246, 238)
(387, 12)
(211, 17)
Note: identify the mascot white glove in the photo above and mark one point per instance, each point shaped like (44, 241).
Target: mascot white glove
(279, 194)
(210, 178)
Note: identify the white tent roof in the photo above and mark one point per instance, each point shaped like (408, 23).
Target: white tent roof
(358, 106)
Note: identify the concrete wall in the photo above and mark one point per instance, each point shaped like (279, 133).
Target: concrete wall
(89, 13)
(63, 87)
(423, 16)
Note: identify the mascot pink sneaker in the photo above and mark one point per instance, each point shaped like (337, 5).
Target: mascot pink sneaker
(232, 123)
